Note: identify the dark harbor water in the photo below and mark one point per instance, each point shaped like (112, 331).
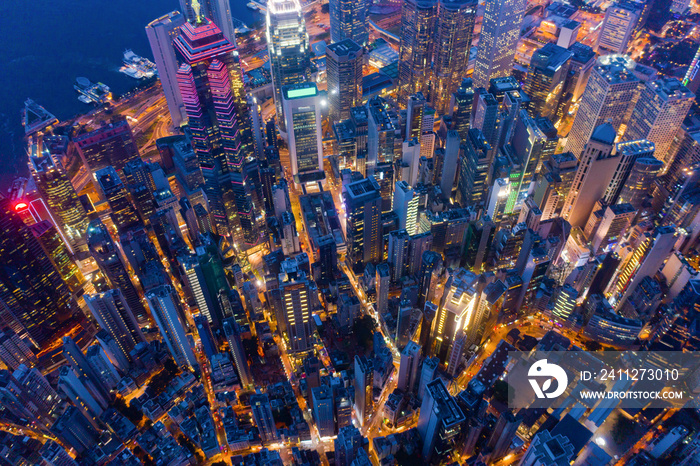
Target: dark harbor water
(46, 44)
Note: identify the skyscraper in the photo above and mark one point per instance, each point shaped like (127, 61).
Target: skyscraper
(409, 367)
(57, 190)
(288, 48)
(160, 33)
(416, 47)
(546, 76)
(503, 434)
(659, 113)
(211, 84)
(323, 407)
(450, 164)
(455, 316)
(294, 316)
(113, 314)
(431, 265)
(406, 207)
(219, 11)
(302, 113)
(124, 213)
(349, 20)
(383, 280)
(617, 27)
(74, 389)
(461, 104)
(640, 180)
(233, 336)
(30, 286)
(474, 166)
(455, 24)
(54, 247)
(84, 371)
(500, 32)
(262, 414)
(110, 144)
(597, 164)
(363, 204)
(611, 90)
(344, 71)
(364, 376)
(164, 304)
(629, 152)
(347, 444)
(440, 421)
(108, 259)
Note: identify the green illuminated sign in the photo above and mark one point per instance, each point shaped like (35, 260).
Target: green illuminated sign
(297, 93)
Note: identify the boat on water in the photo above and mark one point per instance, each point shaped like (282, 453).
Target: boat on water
(137, 67)
(92, 93)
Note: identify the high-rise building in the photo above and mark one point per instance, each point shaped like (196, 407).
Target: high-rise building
(430, 269)
(57, 190)
(500, 32)
(14, 352)
(498, 199)
(108, 259)
(616, 219)
(54, 453)
(406, 207)
(440, 421)
(474, 167)
(638, 184)
(262, 414)
(31, 287)
(302, 113)
(597, 164)
(485, 116)
(294, 315)
(582, 61)
(455, 316)
(39, 391)
(408, 367)
(610, 93)
(323, 409)
(349, 20)
(124, 213)
(416, 47)
(219, 11)
(110, 144)
(364, 383)
(75, 430)
(211, 84)
(455, 24)
(344, 76)
(164, 304)
(347, 444)
(659, 113)
(548, 70)
(646, 261)
(54, 247)
(160, 33)
(383, 133)
(383, 281)
(113, 314)
(450, 163)
(233, 336)
(113, 350)
(363, 204)
(288, 48)
(85, 372)
(503, 434)
(461, 104)
(397, 254)
(629, 153)
(547, 449)
(534, 142)
(103, 368)
(617, 27)
(74, 389)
